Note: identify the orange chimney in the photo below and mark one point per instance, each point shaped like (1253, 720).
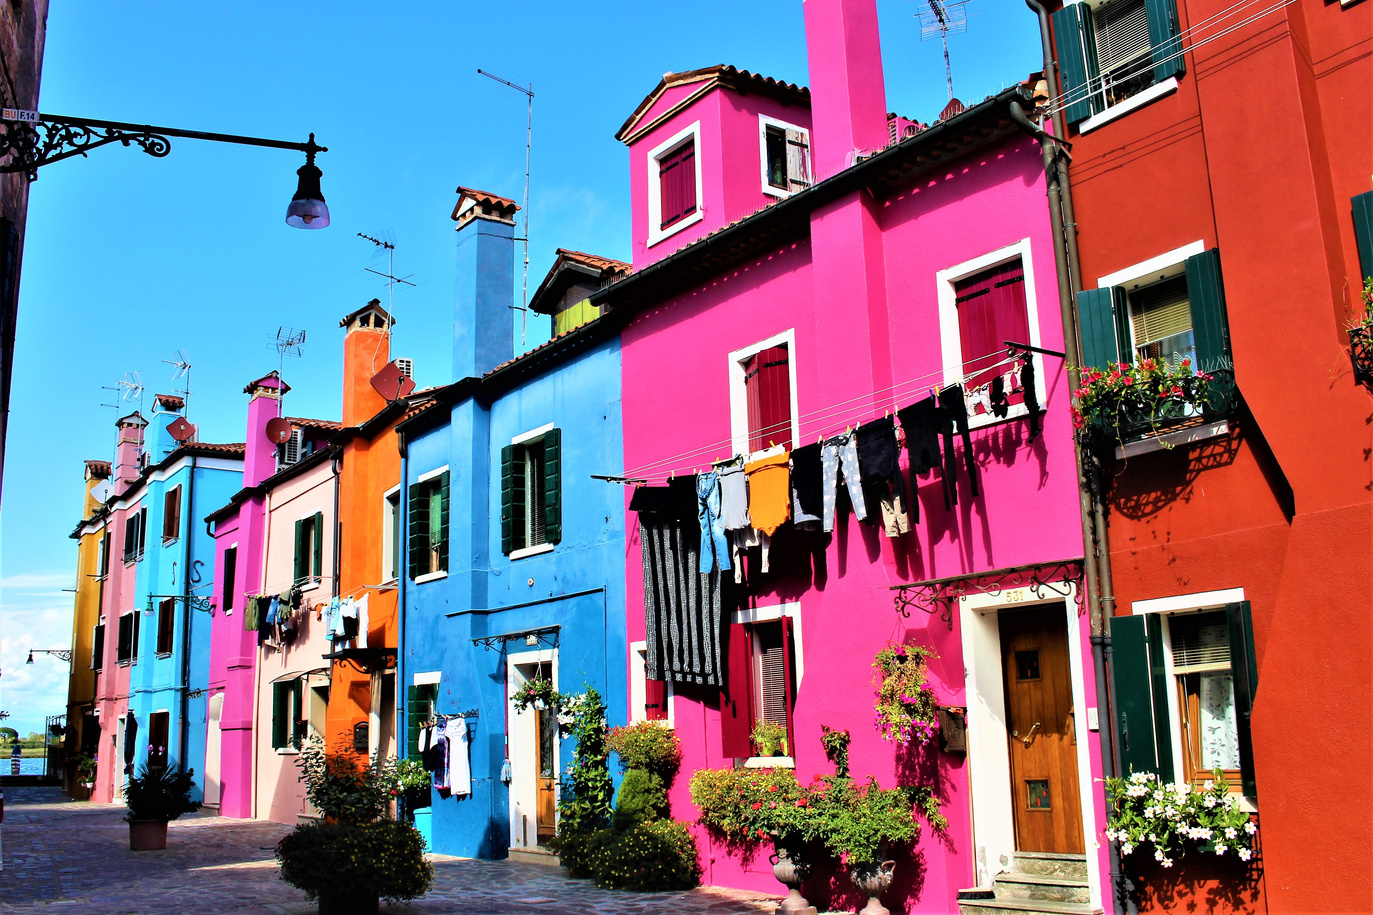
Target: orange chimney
(366, 350)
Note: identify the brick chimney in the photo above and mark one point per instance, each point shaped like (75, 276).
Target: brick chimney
(848, 97)
(128, 459)
(264, 404)
(366, 350)
(483, 326)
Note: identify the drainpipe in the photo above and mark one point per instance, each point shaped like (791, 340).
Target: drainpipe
(401, 724)
(1096, 550)
(185, 735)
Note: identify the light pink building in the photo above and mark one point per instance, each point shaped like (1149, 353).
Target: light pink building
(885, 260)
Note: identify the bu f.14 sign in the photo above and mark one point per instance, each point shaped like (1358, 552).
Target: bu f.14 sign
(19, 114)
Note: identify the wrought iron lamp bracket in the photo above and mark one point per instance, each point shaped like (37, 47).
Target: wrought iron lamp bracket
(193, 601)
(28, 146)
(941, 595)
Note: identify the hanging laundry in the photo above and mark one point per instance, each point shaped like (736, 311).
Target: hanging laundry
(364, 622)
(714, 548)
(273, 610)
(677, 499)
(1027, 381)
(459, 767)
(1000, 404)
(920, 422)
(880, 470)
(807, 488)
(955, 420)
(348, 619)
(331, 618)
(252, 614)
(836, 452)
(769, 492)
(441, 756)
(734, 495)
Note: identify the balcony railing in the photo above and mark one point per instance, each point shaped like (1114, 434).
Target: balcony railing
(1135, 423)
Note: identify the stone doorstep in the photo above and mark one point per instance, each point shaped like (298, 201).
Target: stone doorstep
(1048, 887)
(1050, 864)
(1026, 907)
(534, 856)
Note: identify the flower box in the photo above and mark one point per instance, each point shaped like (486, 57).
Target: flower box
(1361, 353)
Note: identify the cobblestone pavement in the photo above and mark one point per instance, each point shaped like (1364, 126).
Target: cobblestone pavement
(62, 856)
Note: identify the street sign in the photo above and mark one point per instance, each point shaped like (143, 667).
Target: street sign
(19, 114)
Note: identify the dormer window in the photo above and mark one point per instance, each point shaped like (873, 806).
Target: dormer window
(785, 154)
(674, 184)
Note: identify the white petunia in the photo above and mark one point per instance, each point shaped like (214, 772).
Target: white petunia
(1245, 854)
(1249, 827)
(1220, 849)
(1127, 848)
(1167, 862)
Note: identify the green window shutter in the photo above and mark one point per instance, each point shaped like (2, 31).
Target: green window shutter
(512, 500)
(419, 528)
(1132, 676)
(318, 568)
(1244, 673)
(297, 713)
(1363, 231)
(1206, 294)
(443, 521)
(278, 714)
(1163, 38)
(1070, 41)
(412, 722)
(300, 553)
(553, 485)
(1100, 316)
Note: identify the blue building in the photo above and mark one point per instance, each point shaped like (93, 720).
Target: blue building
(514, 557)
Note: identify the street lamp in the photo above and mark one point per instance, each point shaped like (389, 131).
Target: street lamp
(62, 653)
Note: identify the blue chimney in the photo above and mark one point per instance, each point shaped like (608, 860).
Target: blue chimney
(170, 408)
(484, 326)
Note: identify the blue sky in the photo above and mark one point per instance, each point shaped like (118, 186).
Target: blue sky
(128, 258)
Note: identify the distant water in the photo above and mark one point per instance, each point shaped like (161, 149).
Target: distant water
(29, 765)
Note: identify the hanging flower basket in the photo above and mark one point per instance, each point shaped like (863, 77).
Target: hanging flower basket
(538, 693)
(1123, 403)
(905, 709)
(1361, 338)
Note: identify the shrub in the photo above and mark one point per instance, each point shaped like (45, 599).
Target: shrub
(859, 819)
(642, 797)
(384, 858)
(769, 739)
(342, 790)
(160, 794)
(585, 802)
(649, 746)
(649, 857)
(85, 768)
(750, 805)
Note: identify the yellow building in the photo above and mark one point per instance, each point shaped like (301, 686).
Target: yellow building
(92, 563)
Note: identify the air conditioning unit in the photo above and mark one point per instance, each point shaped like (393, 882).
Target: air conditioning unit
(407, 367)
(290, 451)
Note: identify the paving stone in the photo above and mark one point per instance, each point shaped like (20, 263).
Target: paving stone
(68, 856)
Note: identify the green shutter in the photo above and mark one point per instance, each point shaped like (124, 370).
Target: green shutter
(512, 499)
(318, 546)
(1244, 673)
(1163, 38)
(300, 552)
(419, 709)
(297, 712)
(1132, 676)
(1206, 295)
(278, 714)
(419, 529)
(1070, 41)
(553, 486)
(443, 521)
(1163, 695)
(1100, 316)
(1363, 231)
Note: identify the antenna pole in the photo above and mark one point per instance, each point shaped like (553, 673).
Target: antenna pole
(948, 69)
(528, 146)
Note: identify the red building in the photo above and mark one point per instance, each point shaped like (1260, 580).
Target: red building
(1220, 184)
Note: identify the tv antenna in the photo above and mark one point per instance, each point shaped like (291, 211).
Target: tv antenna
(939, 19)
(528, 145)
(183, 370)
(129, 388)
(290, 341)
(387, 244)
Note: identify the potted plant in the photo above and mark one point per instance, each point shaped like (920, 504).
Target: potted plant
(85, 771)
(537, 692)
(860, 822)
(1124, 401)
(155, 797)
(769, 739)
(412, 784)
(905, 710)
(1361, 337)
(356, 855)
(1176, 820)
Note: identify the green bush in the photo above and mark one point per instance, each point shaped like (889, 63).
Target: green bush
(649, 857)
(647, 745)
(341, 789)
(160, 794)
(385, 858)
(641, 797)
(586, 788)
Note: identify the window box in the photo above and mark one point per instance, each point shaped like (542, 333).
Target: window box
(1361, 353)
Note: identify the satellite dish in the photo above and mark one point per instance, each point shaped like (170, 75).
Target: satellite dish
(101, 491)
(279, 430)
(181, 430)
(392, 383)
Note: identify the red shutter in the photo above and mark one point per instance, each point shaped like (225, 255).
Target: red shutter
(767, 385)
(655, 700)
(991, 310)
(789, 678)
(677, 184)
(736, 698)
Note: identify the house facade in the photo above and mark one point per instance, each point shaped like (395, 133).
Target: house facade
(513, 558)
(1228, 531)
(884, 263)
(83, 728)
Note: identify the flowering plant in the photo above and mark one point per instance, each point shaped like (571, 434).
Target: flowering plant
(1167, 817)
(1151, 392)
(750, 805)
(537, 692)
(904, 709)
(1366, 298)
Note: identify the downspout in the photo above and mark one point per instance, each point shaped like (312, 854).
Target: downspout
(1096, 551)
(257, 649)
(185, 735)
(402, 725)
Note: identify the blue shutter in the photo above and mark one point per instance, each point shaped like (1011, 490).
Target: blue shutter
(1206, 294)
(1244, 673)
(1074, 71)
(1101, 317)
(1363, 231)
(1163, 41)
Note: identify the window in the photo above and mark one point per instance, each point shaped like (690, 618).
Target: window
(1161, 322)
(649, 700)
(98, 646)
(428, 538)
(991, 310)
(287, 719)
(677, 183)
(127, 650)
(226, 594)
(135, 535)
(103, 564)
(390, 547)
(531, 492)
(171, 514)
(785, 152)
(158, 729)
(419, 708)
(166, 618)
(309, 550)
(760, 684)
(1185, 683)
(1114, 51)
(763, 394)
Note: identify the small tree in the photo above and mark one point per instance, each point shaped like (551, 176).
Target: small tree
(586, 788)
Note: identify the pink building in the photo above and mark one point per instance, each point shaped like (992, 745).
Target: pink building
(806, 263)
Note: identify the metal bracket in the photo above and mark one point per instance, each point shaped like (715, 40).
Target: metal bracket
(545, 637)
(31, 145)
(193, 601)
(939, 595)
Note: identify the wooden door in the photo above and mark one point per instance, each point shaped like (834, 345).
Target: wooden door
(547, 799)
(1040, 730)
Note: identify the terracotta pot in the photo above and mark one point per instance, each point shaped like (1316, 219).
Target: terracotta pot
(347, 904)
(147, 835)
(872, 880)
(791, 871)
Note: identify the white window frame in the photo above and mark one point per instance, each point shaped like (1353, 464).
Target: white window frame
(655, 203)
(638, 688)
(764, 122)
(951, 341)
(738, 394)
(752, 615)
(388, 538)
(523, 439)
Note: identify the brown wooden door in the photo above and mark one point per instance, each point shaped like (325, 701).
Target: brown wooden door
(547, 803)
(1039, 723)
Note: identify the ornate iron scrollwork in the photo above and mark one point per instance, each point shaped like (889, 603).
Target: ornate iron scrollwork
(24, 147)
(192, 601)
(941, 595)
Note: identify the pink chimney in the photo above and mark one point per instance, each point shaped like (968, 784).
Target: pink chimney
(128, 459)
(848, 98)
(264, 405)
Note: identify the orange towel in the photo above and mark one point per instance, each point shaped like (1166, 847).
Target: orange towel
(769, 492)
